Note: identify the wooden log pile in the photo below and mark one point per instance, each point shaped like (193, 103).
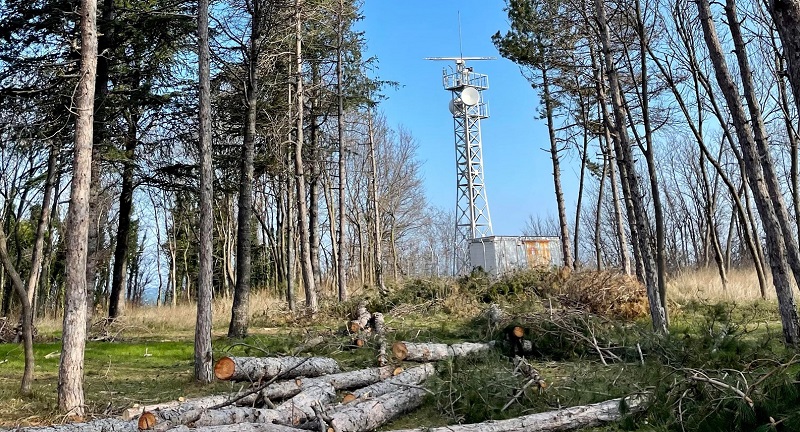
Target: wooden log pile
(293, 394)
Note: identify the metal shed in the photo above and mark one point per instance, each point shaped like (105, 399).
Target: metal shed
(501, 254)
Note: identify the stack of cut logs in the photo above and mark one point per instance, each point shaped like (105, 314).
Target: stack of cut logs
(292, 394)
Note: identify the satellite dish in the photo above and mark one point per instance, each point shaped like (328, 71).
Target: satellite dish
(470, 96)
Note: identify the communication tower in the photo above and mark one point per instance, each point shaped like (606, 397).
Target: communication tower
(468, 108)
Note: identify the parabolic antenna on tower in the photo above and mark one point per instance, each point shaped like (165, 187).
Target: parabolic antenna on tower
(470, 96)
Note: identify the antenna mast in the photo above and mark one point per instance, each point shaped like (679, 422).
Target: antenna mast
(468, 108)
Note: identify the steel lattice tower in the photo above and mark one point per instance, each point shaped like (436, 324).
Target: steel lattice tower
(468, 108)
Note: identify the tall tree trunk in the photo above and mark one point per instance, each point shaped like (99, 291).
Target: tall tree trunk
(70, 370)
(341, 265)
(203, 357)
(610, 150)
(315, 180)
(121, 251)
(37, 255)
(562, 211)
(291, 223)
(649, 155)
(584, 159)
(240, 310)
(376, 214)
(625, 160)
(300, 176)
(776, 247)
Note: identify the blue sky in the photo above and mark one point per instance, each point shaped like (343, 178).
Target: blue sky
(518, 172)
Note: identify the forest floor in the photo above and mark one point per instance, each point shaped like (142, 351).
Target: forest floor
(733, 342)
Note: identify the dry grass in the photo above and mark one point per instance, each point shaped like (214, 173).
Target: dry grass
(705, 284)
(167, 322)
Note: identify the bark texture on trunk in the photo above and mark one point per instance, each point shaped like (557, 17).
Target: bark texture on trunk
(380, 335)
(292, 412)
(70, 370)
(299, 167)
(341, 269)
(203, 357)
(552, 421)
(99, 425)
(425, 352)
(562, 210)
(120, 269)
(339, 381)
(264, 368)
(413, 376)
(240, 310)
(372, 413)
(241, 427)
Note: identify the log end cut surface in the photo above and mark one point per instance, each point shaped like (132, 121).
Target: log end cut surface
(225, 368)
(399, 350)
(146, 421)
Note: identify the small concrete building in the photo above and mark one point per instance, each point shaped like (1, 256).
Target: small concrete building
(501, 254)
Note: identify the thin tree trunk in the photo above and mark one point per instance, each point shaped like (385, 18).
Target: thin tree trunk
(300, 176)
(291, 222)
(341, 264)
(376, 215)
(649, 155)
(70, 370)
(203, 357)
(120, 270)
(240, 310)
(37, 255)
(562, 211)
(611, 142)
(584, 159)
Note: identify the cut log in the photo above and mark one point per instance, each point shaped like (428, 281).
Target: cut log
(300, 407)
(292, 412)
(340, 381)
(370, 414)
(99, 425)
(424, 352)
(361, 322)
(380, 334)
(197, 403)
(410, 377)
(240, 427)
(264, 368)
(552, 421)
